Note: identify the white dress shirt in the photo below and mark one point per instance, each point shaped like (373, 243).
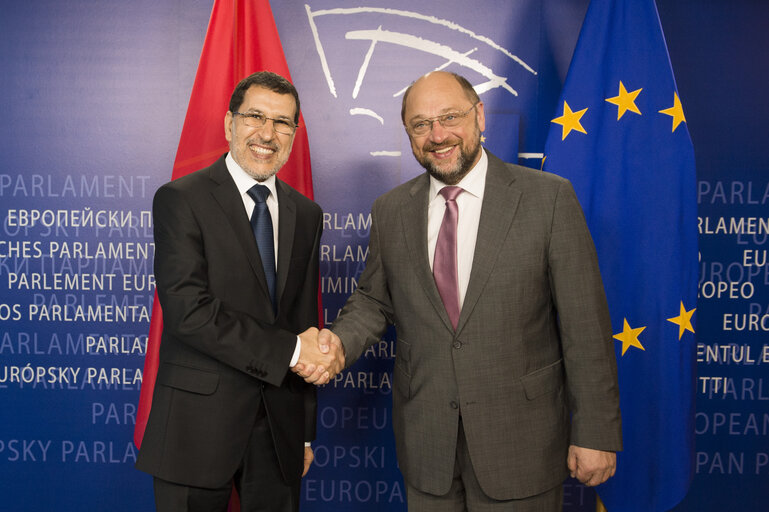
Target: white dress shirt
(469, 204)
(244, 182)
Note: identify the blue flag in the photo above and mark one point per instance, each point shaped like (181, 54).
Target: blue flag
(621, 137)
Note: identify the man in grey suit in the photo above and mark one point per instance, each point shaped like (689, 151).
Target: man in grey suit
(505, 375)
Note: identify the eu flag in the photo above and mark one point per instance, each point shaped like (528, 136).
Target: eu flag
(620, 135)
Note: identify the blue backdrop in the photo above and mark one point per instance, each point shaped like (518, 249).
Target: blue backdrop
(93, 96)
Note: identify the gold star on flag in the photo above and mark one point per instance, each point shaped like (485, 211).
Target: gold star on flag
(676, 112)
(629, 337)
(625, 101)
(570, 120)
(683, 320)
(483, 139)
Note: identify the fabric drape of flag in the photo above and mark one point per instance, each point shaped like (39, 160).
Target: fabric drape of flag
(621, 137)
(241, 39)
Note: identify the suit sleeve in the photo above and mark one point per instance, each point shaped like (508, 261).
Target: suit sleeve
(309, 296)
(585, 326)
(367, 313)
(192, 314)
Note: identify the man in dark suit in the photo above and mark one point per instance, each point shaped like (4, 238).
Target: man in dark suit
(235, 292)
(505, 377)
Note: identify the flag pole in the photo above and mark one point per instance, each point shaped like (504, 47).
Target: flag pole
(599, 506)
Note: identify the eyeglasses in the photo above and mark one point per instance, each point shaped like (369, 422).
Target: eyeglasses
(257, 120)
(450, 120)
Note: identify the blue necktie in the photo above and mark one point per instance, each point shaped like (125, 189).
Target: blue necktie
(261, 224)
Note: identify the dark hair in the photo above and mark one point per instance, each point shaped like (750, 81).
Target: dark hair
(267, 80)
(466, 86)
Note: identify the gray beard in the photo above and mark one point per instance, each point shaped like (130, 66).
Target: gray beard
(262, 177)
(464, 164)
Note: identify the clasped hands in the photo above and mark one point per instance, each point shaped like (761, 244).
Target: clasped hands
(321, 356)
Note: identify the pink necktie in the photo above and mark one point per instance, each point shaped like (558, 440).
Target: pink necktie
(445, 260)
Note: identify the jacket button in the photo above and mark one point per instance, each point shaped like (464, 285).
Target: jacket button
(454, 405)
(457, 344)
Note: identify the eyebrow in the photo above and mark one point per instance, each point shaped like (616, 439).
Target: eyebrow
(443, 113)
(258, 111)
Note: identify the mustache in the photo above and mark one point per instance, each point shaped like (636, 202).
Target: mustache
(432, 146)
(267, 144)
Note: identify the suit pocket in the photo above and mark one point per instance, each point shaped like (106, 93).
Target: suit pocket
(543, 381)
(403, 356)
(402, 368)
(186, 378)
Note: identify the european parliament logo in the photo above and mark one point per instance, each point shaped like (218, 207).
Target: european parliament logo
(369, 56)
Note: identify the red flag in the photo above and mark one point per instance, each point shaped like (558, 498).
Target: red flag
(241, 39)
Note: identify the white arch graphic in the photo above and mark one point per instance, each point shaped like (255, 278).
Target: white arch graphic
(412, 42)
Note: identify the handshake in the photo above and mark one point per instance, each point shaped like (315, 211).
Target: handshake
(321, 356)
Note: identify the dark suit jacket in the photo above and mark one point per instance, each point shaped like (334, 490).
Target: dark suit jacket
(533, 345)
(223, 351)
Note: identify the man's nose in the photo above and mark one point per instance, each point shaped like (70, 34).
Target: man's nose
(437, 132)
(267, 130)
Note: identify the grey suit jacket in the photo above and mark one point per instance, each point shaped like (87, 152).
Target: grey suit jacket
(224, 352)
(531, 366)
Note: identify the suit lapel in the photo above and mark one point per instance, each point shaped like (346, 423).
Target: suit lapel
(500, 201)
(286, 228)
(414, 223)
(229, 200)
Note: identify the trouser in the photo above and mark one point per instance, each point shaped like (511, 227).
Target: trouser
(466, 495)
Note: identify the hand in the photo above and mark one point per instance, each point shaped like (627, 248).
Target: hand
(591, 467)
(318, 364)
(326, 339)
(308, 458)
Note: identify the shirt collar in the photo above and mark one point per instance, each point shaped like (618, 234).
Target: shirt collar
(244, 181)
(473, 182)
